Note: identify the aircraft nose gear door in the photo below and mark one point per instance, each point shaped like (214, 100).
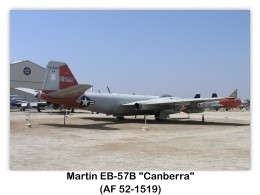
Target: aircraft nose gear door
(86, 101)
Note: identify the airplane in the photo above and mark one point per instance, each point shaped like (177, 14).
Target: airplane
(60, 87)
(245, 105)
(15, 100)
(18, 101)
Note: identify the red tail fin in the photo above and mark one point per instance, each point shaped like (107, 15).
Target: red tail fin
(58, 76)
(66, 77)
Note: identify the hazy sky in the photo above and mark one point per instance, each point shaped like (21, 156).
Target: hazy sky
(144, 52)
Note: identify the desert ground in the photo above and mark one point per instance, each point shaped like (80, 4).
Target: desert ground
(96, 142)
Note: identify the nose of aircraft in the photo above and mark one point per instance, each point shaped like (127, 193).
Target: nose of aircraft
(231, 103)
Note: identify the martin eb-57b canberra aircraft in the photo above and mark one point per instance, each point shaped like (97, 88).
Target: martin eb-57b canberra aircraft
(60, 87)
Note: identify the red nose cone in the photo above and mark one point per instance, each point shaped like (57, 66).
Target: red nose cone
(231, 103)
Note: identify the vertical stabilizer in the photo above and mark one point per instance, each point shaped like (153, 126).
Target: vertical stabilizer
(58, 76)
(234, 94)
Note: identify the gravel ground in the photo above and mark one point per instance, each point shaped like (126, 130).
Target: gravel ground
(96, 142)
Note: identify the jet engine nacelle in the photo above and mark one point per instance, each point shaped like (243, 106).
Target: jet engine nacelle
(138, 106)
(175, 109)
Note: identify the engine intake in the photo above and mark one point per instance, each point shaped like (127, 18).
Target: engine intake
(138, 106)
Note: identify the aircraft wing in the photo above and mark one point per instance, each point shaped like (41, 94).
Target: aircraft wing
(70, 92)
(168, 102)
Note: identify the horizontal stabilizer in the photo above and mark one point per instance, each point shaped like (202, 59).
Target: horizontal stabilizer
(27, 90)
(70, 92)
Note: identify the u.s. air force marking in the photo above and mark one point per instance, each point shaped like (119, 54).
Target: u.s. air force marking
(86, 101)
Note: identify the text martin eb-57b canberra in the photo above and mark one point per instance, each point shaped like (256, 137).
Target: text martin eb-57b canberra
(60, 87)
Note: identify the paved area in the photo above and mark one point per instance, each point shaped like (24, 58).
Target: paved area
(91, 142)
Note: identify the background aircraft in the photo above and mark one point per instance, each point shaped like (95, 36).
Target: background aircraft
(60, 87)
(245, 104)
(17, 101)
